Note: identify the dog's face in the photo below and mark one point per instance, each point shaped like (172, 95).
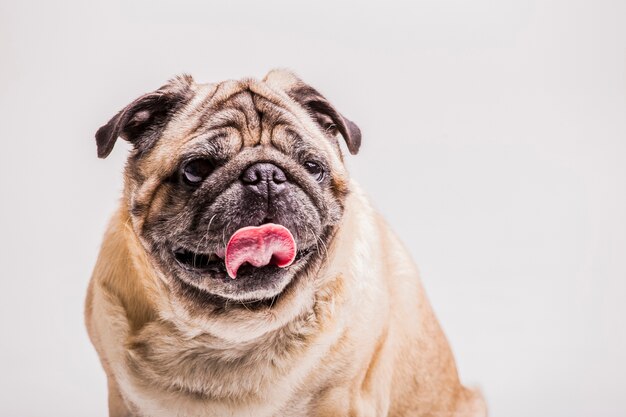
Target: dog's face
(211, 159)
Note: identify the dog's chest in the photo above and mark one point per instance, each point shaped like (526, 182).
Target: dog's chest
(167, 374)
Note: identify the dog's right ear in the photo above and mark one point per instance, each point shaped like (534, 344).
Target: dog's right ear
(141, 122)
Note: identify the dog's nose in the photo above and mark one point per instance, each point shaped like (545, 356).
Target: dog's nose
(264, 178)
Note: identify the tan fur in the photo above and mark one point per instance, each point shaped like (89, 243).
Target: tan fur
(366, 343)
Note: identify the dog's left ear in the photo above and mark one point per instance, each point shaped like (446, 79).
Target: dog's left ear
(324, 113)
(141, 122)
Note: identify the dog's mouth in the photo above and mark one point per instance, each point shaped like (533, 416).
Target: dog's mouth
(257, 263)
(212, 263)
(259, 246)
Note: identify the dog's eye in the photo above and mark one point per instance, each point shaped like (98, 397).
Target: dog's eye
(194, 172)
(315, 169)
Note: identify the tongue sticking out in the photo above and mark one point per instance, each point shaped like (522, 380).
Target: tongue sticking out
(259, 246)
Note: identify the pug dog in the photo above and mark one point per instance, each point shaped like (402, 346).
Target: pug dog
(245, 273)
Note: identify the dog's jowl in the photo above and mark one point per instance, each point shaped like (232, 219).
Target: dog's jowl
(245, 274)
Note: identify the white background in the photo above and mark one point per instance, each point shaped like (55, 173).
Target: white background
(494, 142)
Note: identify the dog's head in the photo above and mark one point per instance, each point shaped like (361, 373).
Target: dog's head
(209, 160)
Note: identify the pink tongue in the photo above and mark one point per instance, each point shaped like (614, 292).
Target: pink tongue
(259, 246)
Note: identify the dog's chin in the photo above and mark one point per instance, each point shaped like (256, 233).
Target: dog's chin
(206, 274)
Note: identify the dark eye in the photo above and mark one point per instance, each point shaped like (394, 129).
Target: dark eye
(194, 172)
(315, 169)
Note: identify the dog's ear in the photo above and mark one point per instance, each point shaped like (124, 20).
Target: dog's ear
(324, 113)
(141, 122)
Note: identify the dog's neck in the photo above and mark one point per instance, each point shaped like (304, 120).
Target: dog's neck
(121, 279)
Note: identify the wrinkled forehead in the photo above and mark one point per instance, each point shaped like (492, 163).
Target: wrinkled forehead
(249, 112)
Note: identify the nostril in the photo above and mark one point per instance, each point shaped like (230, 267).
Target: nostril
(251, 176)
(278, 176)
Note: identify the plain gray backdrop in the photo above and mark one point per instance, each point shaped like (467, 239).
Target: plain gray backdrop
(494, 142)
